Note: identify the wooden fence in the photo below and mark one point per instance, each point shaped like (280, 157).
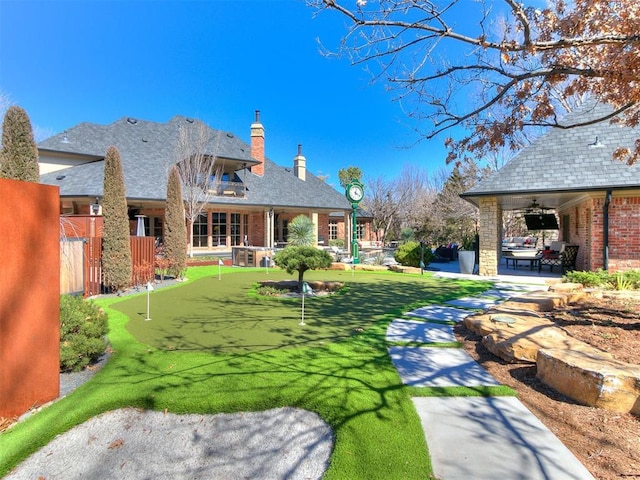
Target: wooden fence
(142, 256)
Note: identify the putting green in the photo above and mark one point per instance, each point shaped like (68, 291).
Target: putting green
(222, 316)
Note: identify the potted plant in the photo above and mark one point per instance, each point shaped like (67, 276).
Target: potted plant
(467, 255)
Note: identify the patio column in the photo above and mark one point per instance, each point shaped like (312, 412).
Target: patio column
(347, 231)
(490, 236)
(314, 219)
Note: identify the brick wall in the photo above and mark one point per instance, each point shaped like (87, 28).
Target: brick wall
(587, 226)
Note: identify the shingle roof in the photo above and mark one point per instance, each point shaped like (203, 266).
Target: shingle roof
(147, 150)
(568, 159)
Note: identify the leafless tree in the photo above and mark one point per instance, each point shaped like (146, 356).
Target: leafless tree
(380, 204)
(509, 66)
(199, 170)
(391, 201)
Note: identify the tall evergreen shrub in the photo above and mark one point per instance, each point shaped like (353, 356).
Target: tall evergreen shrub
(116, 249)
(19, 154)
(175, 229)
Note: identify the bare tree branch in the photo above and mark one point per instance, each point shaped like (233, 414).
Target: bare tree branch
(199, 170)
(505, 56)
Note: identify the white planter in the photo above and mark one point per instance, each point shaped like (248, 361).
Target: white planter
(467, 261)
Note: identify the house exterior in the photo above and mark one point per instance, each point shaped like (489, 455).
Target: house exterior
(252, 199)
(570, 171)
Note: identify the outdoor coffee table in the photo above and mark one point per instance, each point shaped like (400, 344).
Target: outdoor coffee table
(515, 256)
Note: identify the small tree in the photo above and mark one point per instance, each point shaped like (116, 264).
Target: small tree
(300, 231)
(300, 259)
(116, 249)
(345, 175)
(175, 230)
(199, 170)
(19, 154)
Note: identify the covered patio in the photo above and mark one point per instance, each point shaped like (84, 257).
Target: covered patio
(504, 273)
(572, 174)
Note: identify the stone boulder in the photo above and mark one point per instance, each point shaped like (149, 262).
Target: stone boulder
(566, 287)
(591, 377)
(523, 347)
(517, 335)
(543, 301)
(498, 318)
(516, 332)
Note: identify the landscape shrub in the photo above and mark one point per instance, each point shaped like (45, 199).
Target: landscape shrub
(629, 280)
(379, 258)
(588, 279)
(300, 231)
(269, 291)
(83, 326)
(633, 276)
(410, 253)
(337, 242)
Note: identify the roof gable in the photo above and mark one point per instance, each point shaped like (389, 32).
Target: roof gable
(572, 159)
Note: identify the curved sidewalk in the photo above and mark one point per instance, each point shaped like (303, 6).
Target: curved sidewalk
(483, 438)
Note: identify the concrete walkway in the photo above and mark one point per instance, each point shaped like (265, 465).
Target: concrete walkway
(474, 437)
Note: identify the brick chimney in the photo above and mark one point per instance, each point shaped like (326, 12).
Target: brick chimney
(300, 165)
(257, 145)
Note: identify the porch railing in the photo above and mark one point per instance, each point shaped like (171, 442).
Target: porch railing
(228, 189)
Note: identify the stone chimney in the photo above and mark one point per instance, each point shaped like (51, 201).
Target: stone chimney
(257, 145)
(300, 165)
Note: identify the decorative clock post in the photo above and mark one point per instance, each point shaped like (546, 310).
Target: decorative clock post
(355, 193)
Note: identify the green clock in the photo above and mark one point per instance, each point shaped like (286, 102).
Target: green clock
(355, 191)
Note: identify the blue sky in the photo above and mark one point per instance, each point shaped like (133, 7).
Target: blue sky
(67, 62)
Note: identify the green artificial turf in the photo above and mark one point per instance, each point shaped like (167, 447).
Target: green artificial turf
(219, 316)
(212, 347)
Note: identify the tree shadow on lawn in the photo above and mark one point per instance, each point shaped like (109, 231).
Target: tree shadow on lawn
(351, 385)
(339, 381)
(221, 316)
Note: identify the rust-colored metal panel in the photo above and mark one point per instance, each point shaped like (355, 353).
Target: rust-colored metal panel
(143, 259)
(92, 266)
(29, 296)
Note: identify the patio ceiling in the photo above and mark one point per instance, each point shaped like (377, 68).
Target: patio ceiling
(521, 201)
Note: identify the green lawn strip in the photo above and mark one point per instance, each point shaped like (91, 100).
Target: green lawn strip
(343, 372)
(480, 391)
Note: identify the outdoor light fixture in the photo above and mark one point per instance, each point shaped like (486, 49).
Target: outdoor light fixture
(596, 144)
(95, 207)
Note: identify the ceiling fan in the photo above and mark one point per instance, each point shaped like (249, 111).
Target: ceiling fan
(535, 207)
